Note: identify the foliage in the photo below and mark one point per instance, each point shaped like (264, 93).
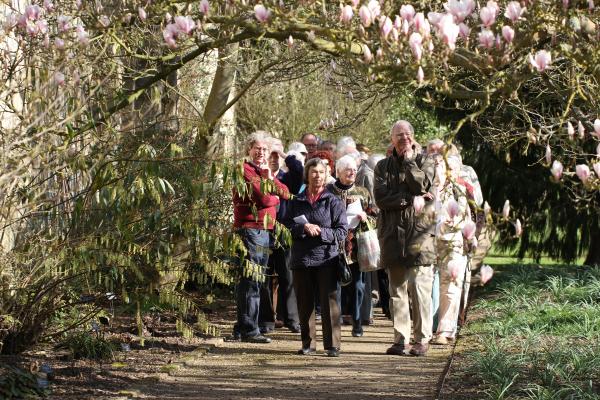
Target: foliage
(537, 333)
(16, 383)
(93, 346)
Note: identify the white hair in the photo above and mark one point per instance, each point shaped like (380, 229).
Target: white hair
(345, 145)
(258, 136)
(400, 124)
(344, 162)
(276, 144)
(374, 159)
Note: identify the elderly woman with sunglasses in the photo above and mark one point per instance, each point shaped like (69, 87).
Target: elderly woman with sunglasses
(317, 221)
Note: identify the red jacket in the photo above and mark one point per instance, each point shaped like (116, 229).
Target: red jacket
(249, 210)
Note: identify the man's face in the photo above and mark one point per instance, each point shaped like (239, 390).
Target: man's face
(274, 163)
(329, 147)
(402, 138)
(259, 153)
(310, 141)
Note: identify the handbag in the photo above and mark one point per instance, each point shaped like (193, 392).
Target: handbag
(344, 273)
(368, 250)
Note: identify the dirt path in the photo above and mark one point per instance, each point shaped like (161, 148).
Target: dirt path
(223, 370)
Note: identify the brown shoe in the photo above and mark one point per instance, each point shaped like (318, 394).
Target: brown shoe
(279, 324)
(419, 349)
(397, 349)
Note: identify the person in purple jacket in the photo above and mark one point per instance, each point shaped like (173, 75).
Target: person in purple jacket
(317, 221)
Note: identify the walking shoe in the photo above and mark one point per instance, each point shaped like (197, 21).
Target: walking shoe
(294, 328)
(305, 351)
(333, 352)
(278, 324)
(266, 329)
(357, 330)
(443, 340)
(235, 337)
(397, 349)
(256, 339)
(419, 349)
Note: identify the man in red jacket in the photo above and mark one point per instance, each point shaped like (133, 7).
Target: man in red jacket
(254, 213)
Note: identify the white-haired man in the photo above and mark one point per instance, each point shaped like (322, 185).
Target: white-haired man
(407, 237)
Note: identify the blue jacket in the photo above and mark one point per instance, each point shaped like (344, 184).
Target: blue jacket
(330, 214)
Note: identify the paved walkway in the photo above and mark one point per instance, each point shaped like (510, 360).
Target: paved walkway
(274, 371)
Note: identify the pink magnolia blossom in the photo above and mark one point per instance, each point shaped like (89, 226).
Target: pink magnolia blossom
(486, 274)
(168, 18)
(398, 22)
(565, 4)
(597, 128)
(591, 5)
(454, 267)
(464, 30)
(486, 208)
(506, 209)
(367, 55)
(468, 230)
(541, 61)
(405, 27)
(418, 21)
(498, 42)
(491, 4)
(82, 36)
(379, 53)
(487, 16)
(514, 11)
(63, 23)
(418, 204)
(33, 12)
(556, 170)
(596, 167)
(204, 7)
(170, 34)
(518, 228)
(474, 242)
(365, 15)
(420, 75)
(486, 38)
(583, 172)
(434, 18)
(425, 29)
(449, 31)
(508, 33)
(570, 130)
(290, 41)
(346, 14)
(185, 24)
(42, 26)
(59, 78)
(460, 9)
(548, 154)
(355, 3)
(395, 34)
(416, 45)
(261, 13)
(452, 208)
(78, 4)
(375, 8)
(48, 5)
(407, 12)
(580, 130)
(46, 41)
(59, 43)
(142, 14)
(386, 27)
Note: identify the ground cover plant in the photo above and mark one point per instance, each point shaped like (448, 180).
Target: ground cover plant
(534, 334)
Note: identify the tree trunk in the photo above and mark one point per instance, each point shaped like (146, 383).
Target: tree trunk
(593, 255)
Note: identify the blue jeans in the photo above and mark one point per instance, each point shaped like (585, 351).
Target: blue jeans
(435, 297)
(357, 293)
(247, 290)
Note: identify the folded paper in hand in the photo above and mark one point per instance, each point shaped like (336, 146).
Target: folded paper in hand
(301, 219)
(352, 212)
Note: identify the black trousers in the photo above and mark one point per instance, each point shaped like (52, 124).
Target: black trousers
(287, 308)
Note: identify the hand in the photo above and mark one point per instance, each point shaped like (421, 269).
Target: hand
(408, 152)
(362, 216)
(265, 172)
(428, 196)
(281, 154)
(312, 229)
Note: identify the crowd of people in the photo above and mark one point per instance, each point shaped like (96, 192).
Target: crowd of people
(426, 206)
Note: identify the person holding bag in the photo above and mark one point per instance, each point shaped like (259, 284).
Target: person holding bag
(317, 221)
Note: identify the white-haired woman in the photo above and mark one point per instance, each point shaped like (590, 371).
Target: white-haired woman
(349, 193)
(254, 213)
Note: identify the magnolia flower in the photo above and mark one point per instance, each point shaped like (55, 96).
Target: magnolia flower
(486, 274)
(407, 12)
(405, 27)
(346, 14)
(375, 8)
(556, 170)
(78, 4)
(415, 41)
(460, 9)
(583, 172)
(541, 61)
(474, 243)
(398, 22)
(487, 16)
(59, 78)
(548, 154)
(565, 4)
(486, 38)
(59, 43)
(508, 33)
(425, 29)
(386, 27)
(355, 3)
(42, 26)
(464, 30)
(486, 208)
(492, 5)
(33, 12)
(290, 41)
(597, 128)
(452, 208)
(142, 14)
(591, 5)
(570, 130)
(168, 18)
(454, 267)
(365, 15)
(418, 204)
(367, 55)
(170, 34)
(514, 11)
(261, 13)
(418, 21)
(518, 228)
(580, 130)
(204, 7)
(48, 5)
(63, 23)
(185, 24)
(420, 75)
(596, 167)
(82, 36)
(506, 209)
(434, 17)
(46, 41)
(449, 31)
(395, 34)
(468, 230)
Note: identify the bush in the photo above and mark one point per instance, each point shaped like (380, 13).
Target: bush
(16, 383)
(92, 346)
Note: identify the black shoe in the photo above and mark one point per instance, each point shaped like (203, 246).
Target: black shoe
(397, 349)
(234, 337)
(333, 352)
(357, 330)
(266, 329)
(256, 339)
(294, 328)
(305, 351)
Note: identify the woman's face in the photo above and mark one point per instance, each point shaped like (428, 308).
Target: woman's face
(316, 176)
(347, 175)
(259, 153)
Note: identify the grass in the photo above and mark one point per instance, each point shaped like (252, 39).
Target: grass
(537, 333)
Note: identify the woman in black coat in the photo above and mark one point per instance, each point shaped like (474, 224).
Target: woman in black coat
(317, 221)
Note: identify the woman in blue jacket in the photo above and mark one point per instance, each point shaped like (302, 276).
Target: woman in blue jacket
(317, 221)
